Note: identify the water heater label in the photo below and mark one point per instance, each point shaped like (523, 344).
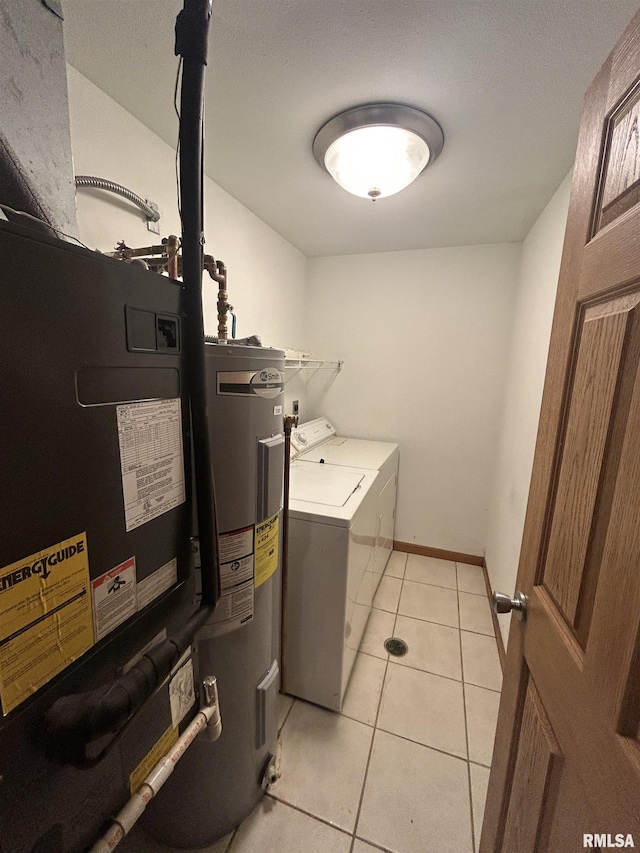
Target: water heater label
(233, 610)
(267, 383)
(267, 548)
(157, 582)
(114, 597)
(45, 614)
(151, 459)
(182, 692)
(237, 563)
(235, 544)
(160, 749)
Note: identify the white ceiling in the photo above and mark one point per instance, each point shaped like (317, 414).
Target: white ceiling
(504, 78)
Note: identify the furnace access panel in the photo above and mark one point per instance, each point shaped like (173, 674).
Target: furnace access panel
(95, 509)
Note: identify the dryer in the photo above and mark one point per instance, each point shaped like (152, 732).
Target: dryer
(317, 441)
(332, 527)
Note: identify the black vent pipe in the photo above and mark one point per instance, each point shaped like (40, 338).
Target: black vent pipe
(192, 27)
(74, 722)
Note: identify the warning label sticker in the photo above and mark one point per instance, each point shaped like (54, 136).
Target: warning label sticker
(234, 609)
(235, 606)
(235, 544)
(45, 617)
(182, 693)
(236, 572)
(150, 439)
(267, 548)
(162, 746)
(157, 582)
(114, 597)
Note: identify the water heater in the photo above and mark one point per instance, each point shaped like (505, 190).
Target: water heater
(216, 785)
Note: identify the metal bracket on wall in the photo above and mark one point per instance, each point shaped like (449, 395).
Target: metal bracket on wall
(153, 224)
(313, 364)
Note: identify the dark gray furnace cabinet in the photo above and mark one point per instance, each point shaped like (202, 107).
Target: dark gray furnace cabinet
(95, 486)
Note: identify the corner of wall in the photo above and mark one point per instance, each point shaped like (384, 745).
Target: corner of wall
(535, 300)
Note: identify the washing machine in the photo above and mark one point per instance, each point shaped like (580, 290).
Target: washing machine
(330, 587)
(317, 441)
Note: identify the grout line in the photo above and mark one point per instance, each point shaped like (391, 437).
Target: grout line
(286, 716)
(470, 592)
(404, 567)
(376, 845)
(375, 726)
(483, 655)
(480, 634)
(382, 610)
(431, 621)
(448, 677)
(308, 814)
(477, 633)
(427, 583)
(425, 745)
(427, 671)
(452, 588)
(444, 625)
(480, 764)
(482, 687)
(466, 734)
(369, 655)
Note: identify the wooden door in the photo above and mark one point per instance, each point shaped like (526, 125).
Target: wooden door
(567, 756)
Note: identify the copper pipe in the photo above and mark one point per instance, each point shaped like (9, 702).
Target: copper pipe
(218, 272)
(172, 247)
(125, 253)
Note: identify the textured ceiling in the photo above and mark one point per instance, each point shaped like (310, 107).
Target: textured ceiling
(505, 80)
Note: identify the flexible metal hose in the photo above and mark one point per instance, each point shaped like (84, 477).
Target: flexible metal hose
(118, 189)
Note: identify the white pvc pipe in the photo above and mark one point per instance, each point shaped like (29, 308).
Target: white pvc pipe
(127, 817)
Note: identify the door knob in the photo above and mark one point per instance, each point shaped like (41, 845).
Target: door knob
(503, 603)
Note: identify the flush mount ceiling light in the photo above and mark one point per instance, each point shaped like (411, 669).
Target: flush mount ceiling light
(377, 150)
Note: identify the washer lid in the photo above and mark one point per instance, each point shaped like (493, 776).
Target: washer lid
(309, 435)
(352, 452)
(323, 484)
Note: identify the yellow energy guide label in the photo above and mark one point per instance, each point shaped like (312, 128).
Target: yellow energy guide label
(45, 617)
(267, 548)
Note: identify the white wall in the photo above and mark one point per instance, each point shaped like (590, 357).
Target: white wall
(266, 274)
(424, 336)
(537, 284)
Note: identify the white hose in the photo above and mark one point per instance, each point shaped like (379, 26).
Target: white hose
(127, 817)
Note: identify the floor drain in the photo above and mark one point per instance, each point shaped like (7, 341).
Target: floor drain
(396, 647)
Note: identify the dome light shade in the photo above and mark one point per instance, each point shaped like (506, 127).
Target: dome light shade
(377, 150)
(377, 161)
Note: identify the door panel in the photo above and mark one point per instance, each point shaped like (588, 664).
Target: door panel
(571, 815)
(535, 780)
(601, 338)
(567, 754)
(621, 184)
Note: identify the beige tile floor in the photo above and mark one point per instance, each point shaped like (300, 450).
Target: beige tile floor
(404, 768)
